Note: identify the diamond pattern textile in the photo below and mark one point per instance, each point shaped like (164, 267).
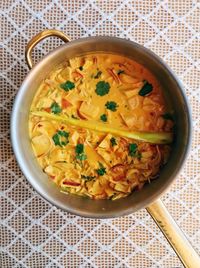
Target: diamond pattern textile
(34, 233)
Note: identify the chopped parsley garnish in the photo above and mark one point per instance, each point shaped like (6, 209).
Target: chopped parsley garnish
(102, 170)
(55, 108)
(87, 178)
(111, 105)
(61, 138)
(102, 88)
(133, 150)
(103, 117)
(68, 85)
(113, 141)
(98, 74)
(146, 89)
(79, 149)
(120, 72)
(168, 116)
(81, 68)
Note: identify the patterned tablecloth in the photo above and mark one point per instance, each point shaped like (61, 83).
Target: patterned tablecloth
(34, 233)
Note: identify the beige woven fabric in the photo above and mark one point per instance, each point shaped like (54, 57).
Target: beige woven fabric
(32, 232)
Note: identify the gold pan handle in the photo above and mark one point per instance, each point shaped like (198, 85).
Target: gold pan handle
(174, 235)
(39, 37)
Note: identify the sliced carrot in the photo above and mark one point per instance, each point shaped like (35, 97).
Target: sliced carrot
(114, 76)
(71, 183)
(76, 75)
(80, 115)
(65, 103)
(95, 60)
(48, 109)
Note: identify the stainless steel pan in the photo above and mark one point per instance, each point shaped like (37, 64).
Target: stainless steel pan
(147, 197)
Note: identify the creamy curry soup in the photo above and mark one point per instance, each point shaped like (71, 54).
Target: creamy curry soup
(99, 126)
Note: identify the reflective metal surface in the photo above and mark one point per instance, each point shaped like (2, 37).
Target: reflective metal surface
(24, 153)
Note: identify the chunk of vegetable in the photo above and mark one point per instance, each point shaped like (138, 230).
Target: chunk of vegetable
(128, 79)
(118, 172)
(134, 102)
(113, 75)
(103, 153)
(89, 110)
(41, 145)
(131, 92)
(105, 143)
(75, 137)
(128, 119)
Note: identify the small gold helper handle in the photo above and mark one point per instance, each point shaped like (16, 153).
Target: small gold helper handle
(39, 37)
(174, 235)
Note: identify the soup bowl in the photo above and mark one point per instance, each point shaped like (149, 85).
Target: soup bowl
(146, 198)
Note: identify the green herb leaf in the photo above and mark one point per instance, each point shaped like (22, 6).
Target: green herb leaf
(120, 72)
(79, 149)
(102, 88)
(56, 139)
(113, 141)
(61, 138)
(88, 178)
(132, 149)
(81, 68)
(146, 89)
(98, 74)
(55, 108)
(111, 105)
(168, 116)
(103, 117)
(68, 85)
(102, 170)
